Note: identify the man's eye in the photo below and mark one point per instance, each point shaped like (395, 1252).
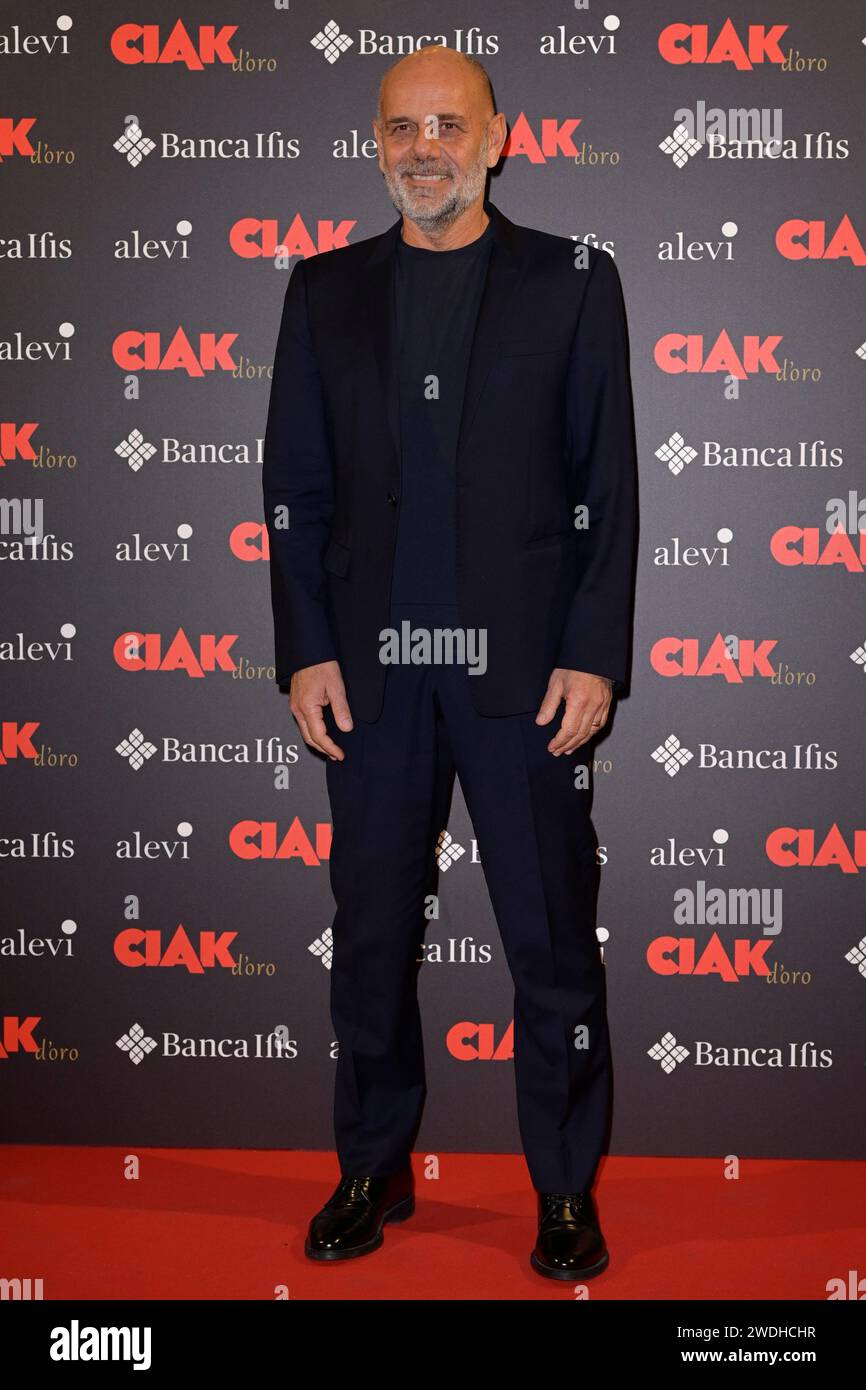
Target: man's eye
(450, 125)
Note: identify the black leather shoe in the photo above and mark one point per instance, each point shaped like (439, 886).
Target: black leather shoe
(570, 1244)
(350, 1223)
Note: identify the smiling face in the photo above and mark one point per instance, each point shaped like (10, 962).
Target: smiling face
(437, 135)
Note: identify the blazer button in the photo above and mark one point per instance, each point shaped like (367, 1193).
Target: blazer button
(392, 498)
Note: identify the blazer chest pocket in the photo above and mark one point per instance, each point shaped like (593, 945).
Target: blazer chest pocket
(337, 558)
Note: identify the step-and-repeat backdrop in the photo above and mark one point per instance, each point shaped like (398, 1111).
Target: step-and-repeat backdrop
(164, 831)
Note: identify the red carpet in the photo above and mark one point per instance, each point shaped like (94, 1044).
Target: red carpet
(230, 1224)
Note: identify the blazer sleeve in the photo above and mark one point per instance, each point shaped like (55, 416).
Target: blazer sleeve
(298, 488)
(603, 469)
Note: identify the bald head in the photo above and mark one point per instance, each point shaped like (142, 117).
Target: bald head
(441, 57)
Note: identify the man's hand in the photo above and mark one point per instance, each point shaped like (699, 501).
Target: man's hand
(587, 704)
(311, 689)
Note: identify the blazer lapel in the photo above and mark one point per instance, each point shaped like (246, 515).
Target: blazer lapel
(503, 271)
(378, 295)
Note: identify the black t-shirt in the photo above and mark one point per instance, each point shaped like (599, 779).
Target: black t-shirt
(437, 296)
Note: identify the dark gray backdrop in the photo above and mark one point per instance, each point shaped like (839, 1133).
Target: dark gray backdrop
(83, 997)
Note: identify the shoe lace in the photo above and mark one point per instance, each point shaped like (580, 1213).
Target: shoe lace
(353, 1190)
(563, 1205)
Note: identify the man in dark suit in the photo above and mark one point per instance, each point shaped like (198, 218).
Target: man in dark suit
(450, 495)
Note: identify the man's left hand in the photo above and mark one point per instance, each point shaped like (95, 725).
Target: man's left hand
(587, 705)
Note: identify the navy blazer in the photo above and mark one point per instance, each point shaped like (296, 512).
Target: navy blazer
(547, 429)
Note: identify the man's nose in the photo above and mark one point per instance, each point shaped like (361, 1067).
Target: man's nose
(424, 147)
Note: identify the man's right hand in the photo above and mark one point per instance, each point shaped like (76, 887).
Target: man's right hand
(311, 689)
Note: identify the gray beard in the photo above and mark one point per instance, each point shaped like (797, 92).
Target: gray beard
(461, 196)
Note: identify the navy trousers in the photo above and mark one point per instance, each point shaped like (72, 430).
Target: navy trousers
(389, 802)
